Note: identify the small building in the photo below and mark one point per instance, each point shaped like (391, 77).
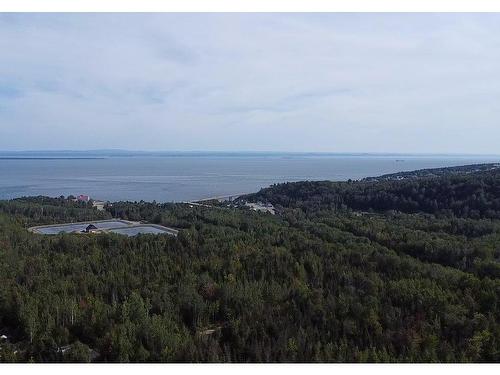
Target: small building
(99, 205)
(91, 228)
(261, 207)
(83, 198)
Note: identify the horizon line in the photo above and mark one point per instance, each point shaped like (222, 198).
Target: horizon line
(247, 152)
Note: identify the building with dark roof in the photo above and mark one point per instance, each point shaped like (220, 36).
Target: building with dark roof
(91, 228)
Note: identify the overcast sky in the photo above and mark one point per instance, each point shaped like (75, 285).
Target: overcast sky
(272, 82)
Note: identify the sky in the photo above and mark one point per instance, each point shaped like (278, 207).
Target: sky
(410, 83)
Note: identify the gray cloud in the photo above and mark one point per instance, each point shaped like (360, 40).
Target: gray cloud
(296, 82)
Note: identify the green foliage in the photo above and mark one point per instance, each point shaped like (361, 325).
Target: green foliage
(78, 352)
(320, 282)
(468, 195)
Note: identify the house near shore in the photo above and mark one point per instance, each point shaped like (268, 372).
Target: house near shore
(83, 198)
(99, 205)
(261, 207)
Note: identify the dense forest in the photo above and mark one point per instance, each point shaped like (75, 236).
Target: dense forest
(468, 195)
(389, 270)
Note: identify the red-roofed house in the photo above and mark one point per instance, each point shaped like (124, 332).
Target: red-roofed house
(83, 198)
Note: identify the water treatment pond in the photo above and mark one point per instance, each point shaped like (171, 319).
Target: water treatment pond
(124, 227)
(142, 229)
(79, 227)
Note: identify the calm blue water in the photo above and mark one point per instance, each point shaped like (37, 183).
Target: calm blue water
(181, 178)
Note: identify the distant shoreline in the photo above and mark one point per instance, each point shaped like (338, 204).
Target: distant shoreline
(167, 180)
(223, 197)
(102, 154)
(49, 158)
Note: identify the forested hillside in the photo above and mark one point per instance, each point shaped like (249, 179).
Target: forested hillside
(467, 195)
(369, 271)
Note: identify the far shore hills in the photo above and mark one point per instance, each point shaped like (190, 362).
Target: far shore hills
(100, 154)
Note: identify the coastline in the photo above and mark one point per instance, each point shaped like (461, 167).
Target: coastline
(165, 180)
